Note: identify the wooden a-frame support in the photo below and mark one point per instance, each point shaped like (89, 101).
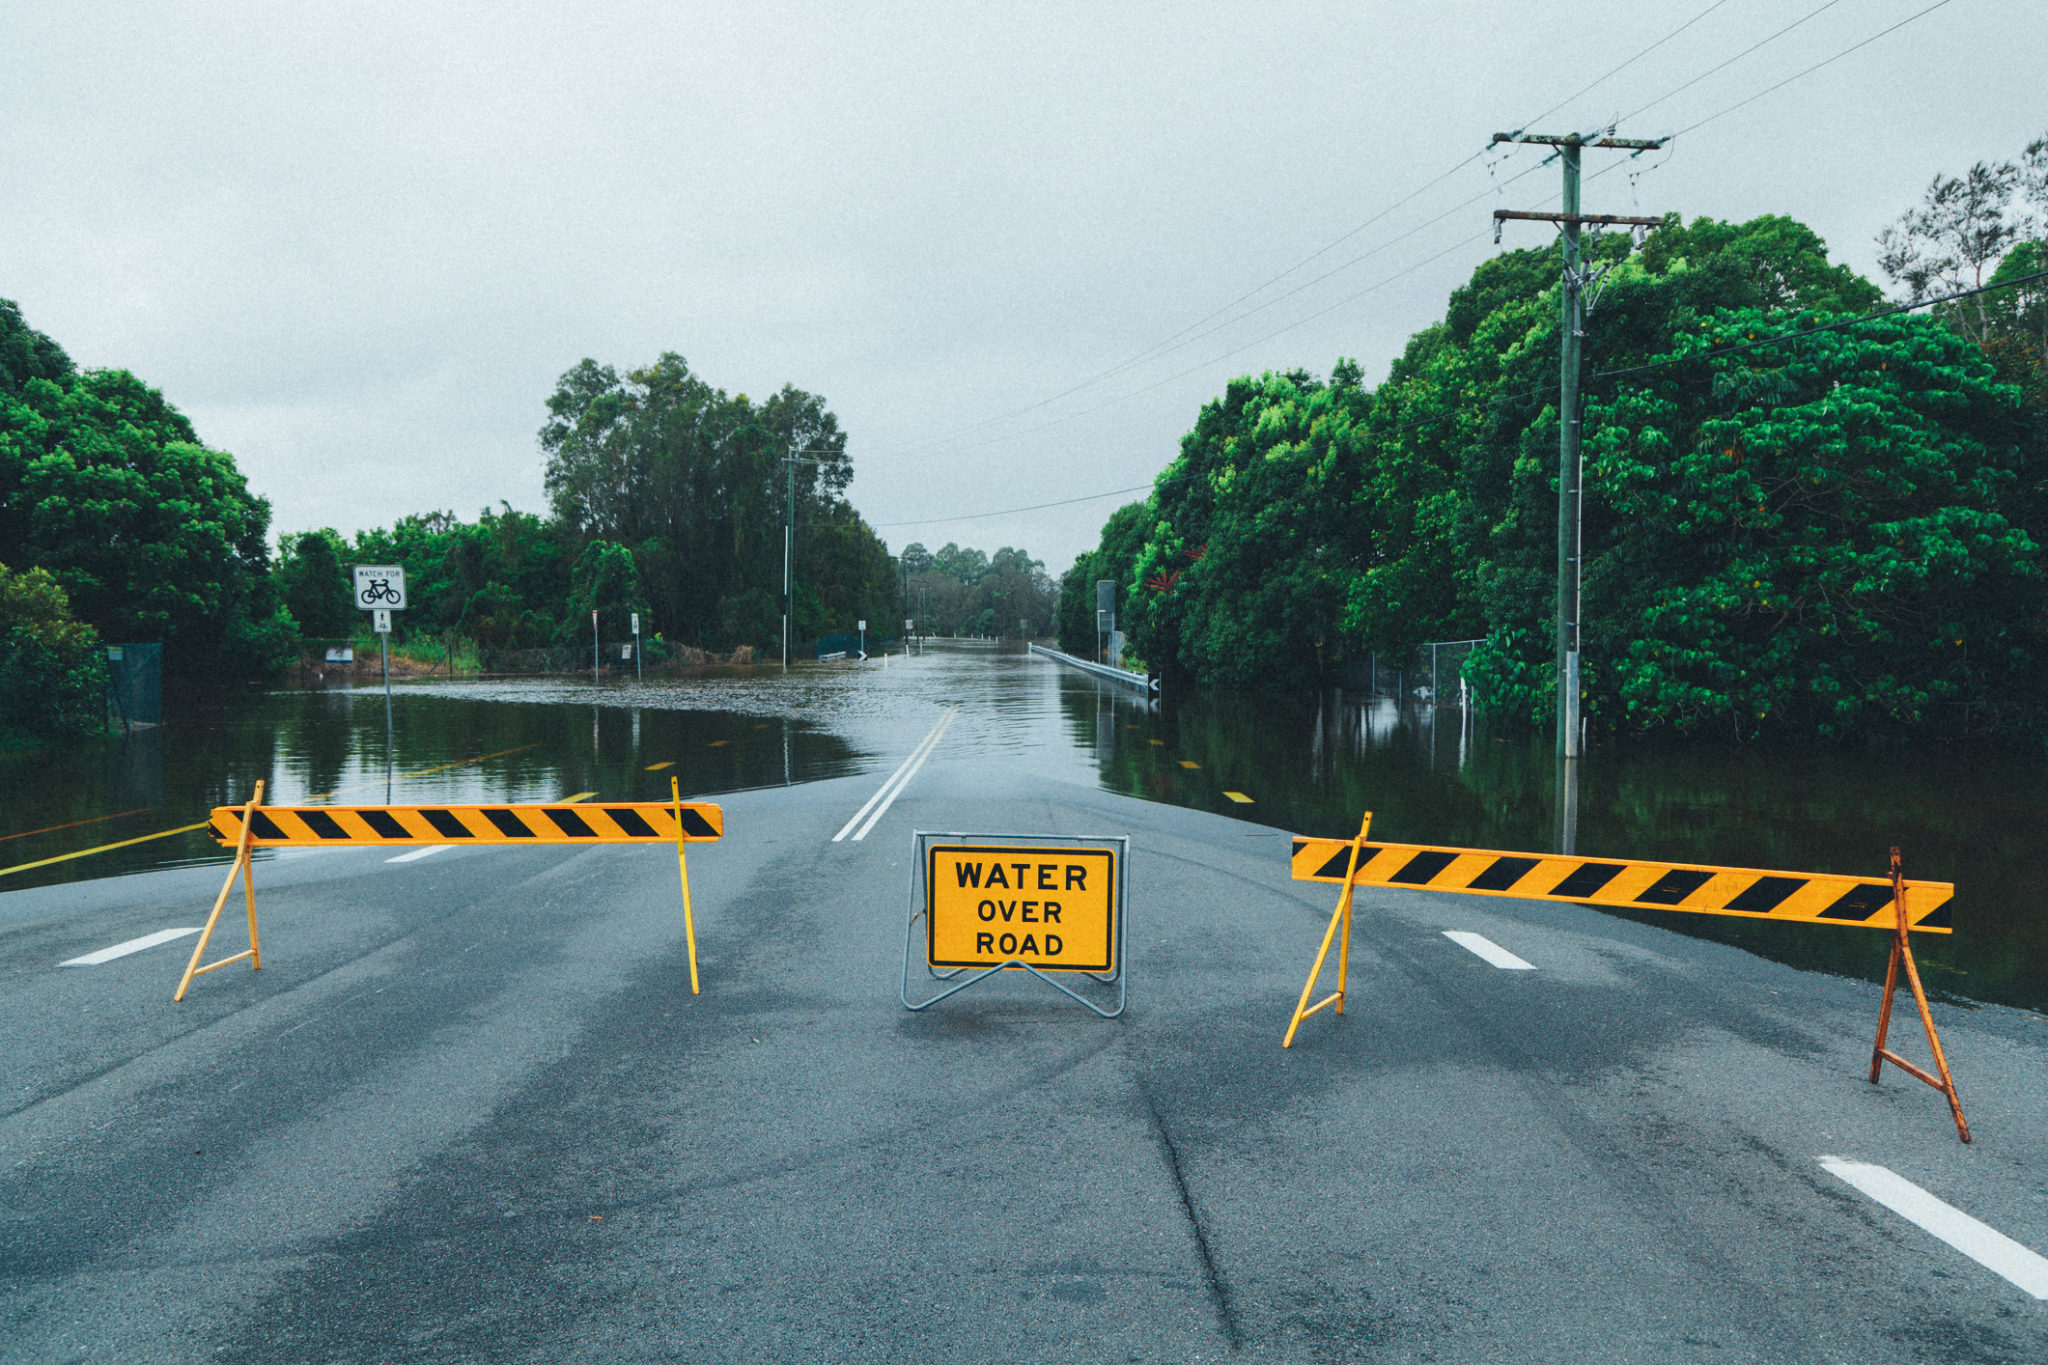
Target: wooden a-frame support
(1902, 952)
(241, 866)
(1342, 915)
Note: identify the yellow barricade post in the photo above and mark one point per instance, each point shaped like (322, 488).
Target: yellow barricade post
(241, 865)
(1902, 952)
(675, 794)
(1342, 914)
(1898, 905)
(255, 825)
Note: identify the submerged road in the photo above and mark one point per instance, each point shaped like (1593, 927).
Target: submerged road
(469, 1110)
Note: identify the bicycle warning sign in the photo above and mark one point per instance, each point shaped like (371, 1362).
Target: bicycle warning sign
(380, 587)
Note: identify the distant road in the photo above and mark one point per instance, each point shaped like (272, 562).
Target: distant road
(468, 1110)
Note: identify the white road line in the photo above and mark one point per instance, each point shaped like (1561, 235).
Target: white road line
(1985, 1245)
(419, 853)
(886, 797)
(133, 945)
(1488, 949)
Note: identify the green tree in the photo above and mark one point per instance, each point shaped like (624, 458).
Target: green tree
(316, 585)
(53, 670)
(153, 536)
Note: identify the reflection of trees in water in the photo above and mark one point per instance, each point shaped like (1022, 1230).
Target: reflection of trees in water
(1313, 763)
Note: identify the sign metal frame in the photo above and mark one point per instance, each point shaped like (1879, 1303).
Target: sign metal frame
(1118, 846)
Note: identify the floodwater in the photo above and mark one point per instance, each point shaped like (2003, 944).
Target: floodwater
(1975, 816)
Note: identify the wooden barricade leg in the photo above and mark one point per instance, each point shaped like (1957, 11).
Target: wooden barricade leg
(239, 867)
(675, 791)
(1342, 916)
(1902, 953)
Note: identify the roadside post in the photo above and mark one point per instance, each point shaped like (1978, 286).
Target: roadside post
(863, 641)
(909, 627)
(1896, 905)
(637, 674)
(594, 662)
(380, 590)
(1050, 905)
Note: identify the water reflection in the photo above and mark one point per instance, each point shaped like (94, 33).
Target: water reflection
(1306, 763)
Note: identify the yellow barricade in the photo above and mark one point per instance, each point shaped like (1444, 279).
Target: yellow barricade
(255, 825)
(1744, 892)
(1895, 904)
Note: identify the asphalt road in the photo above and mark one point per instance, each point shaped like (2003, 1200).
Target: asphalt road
(469, 1110)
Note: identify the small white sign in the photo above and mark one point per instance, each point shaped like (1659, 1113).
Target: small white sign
(380, 587)
(863, 625)
(636, 623)
(625, 651)
(909, 624)
(380, 620)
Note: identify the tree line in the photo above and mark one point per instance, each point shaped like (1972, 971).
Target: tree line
(667, 496)
(1840, 534)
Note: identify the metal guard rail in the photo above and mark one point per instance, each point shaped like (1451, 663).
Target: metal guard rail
(1145, 684)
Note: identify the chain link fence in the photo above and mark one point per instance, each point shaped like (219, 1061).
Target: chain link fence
(1431, 674)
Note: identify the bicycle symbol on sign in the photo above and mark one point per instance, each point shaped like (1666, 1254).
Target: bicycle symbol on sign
(380, 590)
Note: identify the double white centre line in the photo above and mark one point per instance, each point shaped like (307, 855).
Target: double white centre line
(879, 803)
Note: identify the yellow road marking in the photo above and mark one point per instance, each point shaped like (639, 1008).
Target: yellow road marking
(86, 852)
(75, 823)
(1189, 763)
(716, 742)
(657, 767)
(187, 829)
(1239, 797)
(1160, 742)
(762, 726)
(579, 796)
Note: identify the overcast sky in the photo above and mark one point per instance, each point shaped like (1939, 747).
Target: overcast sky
(358, 243)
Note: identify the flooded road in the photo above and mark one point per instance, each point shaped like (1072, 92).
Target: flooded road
(1308, 764)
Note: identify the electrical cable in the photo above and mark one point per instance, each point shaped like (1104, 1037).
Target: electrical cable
(1625, 65)
(1811, 69)
(1830, 4)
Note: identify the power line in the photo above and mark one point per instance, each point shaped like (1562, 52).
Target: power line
(1614, 71)
(1826, 327)
(1811, 69)
(1830, 4)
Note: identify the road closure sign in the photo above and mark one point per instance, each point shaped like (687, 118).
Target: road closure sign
(999, 905)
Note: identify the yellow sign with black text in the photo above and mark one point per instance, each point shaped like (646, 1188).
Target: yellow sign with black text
(1001, 905)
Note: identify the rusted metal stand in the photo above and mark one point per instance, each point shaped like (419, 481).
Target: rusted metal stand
(241, 866)
(1902, 952)
(1342, 916)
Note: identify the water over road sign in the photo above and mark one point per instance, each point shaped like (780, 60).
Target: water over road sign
(1052, 908)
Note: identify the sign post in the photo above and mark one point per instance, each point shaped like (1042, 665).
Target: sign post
(380, 590)
(863, 639)
(637, 674)
(1009, 902)
(593, 645)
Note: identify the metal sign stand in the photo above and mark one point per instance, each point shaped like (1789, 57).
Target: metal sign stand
(1342, 915)
(922, 839)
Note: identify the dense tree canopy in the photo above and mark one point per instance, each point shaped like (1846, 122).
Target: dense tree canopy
(1837, 534)
(152, 535)
(955, 591)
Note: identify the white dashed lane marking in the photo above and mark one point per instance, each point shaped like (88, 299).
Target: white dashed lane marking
(1985, 1245)
(1485, 947)
(133, 945)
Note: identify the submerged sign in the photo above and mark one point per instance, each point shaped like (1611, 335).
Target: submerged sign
(996, 905)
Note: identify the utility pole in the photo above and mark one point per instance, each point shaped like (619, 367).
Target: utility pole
(788, 553)
(1569, 417)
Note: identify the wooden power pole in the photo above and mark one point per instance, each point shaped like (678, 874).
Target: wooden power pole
(1568, 403)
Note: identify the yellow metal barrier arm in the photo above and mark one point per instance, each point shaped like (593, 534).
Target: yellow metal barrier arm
(675, 792)
(240, 865)
(1342, 916)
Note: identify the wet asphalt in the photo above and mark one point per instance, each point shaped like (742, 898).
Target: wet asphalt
(469, 1111)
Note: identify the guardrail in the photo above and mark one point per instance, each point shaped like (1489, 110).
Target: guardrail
(1145, 684)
